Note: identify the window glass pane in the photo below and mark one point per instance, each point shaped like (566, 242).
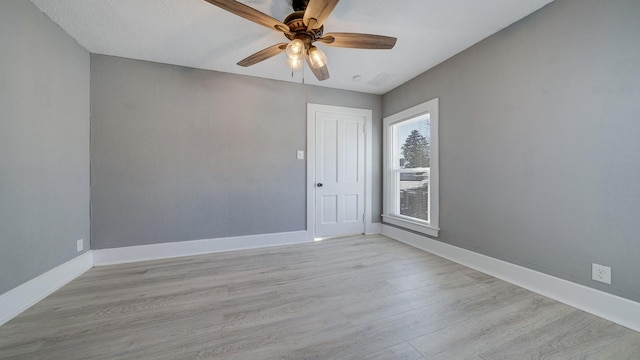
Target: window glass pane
(414, 194)
(411, 168)
(413, 138)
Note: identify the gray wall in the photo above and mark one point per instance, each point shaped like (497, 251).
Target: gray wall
(44, 144)
(539, 139)
(182, 154)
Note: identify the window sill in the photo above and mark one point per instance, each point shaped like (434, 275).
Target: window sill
(411, 225)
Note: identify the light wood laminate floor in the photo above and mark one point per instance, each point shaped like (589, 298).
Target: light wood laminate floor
(351, 298)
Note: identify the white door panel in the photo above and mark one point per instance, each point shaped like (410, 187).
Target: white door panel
(339, 191)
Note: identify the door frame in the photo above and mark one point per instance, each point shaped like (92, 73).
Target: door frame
(311, 162)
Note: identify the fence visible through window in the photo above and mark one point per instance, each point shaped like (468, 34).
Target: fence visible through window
(414, 195)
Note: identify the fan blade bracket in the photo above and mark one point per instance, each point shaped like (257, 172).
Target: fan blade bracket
(311, 23)
(327, 39)
(318, 11)
(283, 29)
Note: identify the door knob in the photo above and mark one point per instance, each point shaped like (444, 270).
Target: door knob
(319, 184)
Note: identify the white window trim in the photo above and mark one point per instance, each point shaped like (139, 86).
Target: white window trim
(429, 228)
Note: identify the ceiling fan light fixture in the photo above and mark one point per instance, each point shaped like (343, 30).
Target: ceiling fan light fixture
(295, 49)
(302, 28)
(317, 58)
(294, 64)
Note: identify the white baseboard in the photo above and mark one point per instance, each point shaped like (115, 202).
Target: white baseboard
(611, 307)
(372, 229)
(195, 247)
(19, 299)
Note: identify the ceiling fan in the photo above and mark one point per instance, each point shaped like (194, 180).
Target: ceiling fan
(303, 28)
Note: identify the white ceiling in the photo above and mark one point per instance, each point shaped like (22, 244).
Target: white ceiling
(197, 34)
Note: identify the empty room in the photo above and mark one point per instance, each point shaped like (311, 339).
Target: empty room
(319, 179)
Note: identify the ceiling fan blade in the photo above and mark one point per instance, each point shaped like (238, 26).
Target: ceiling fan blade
(320, 73)
(263, 54)
(317, 12)
(250, 13)
(358, 41)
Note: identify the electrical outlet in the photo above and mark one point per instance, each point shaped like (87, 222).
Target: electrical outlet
(79, 245)
(601, 273)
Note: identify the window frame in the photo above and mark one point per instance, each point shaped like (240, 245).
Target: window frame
(390, 184)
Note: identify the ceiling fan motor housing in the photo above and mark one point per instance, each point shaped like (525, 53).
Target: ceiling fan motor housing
(299, 29)
(299, 5)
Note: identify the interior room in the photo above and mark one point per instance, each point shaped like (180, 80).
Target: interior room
(278, 179)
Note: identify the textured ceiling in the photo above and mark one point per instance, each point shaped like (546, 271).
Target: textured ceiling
(197, 34)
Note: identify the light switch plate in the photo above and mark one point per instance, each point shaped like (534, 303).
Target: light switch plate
(300, 155)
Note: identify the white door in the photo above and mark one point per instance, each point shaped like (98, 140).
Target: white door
(339, 174)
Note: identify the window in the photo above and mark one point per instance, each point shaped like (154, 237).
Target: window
(411, 168)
